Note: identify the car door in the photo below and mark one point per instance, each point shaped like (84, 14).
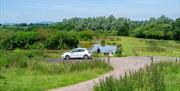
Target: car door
(79, 53)
(74, 53)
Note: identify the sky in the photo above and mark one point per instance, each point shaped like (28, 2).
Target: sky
(31, 11)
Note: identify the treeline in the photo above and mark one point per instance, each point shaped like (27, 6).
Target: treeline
(66, 34)
(38, 40)
(160, 28)
(154, 28)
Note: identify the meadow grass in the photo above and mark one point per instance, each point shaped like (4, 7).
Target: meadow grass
(23, 70)
(132, 46)
(27, 80)
(163, 76)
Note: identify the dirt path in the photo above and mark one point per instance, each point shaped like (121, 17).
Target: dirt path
(120, 65)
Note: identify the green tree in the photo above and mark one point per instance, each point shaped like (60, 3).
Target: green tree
(87, 34)
(61, 40)
(177, 29)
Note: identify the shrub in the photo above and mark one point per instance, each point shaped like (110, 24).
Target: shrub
(61, 40)
(39, 39)
(87, 34)
(103, 42)
(37, 45)
(119, 50)
(20, 40)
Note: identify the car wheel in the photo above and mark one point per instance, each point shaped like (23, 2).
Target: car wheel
(67, 57)
(86, 57)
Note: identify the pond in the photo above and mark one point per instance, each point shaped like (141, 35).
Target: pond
(94, 46)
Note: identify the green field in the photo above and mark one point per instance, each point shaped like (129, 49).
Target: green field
(145, 47)
(26, 80)
(156, 77)
(28, 70)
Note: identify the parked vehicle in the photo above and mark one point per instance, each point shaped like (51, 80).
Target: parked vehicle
(77, 53)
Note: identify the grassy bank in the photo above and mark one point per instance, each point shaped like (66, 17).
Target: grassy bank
(22, 70)
(156, 77)
(145, 47)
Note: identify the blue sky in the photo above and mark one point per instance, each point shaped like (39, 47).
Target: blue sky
(18, 11)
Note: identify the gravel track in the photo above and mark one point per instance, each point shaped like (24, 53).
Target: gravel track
(120, 65)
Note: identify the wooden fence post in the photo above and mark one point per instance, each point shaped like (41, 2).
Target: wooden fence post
(176, 59)
(152, 60)
(108, 59)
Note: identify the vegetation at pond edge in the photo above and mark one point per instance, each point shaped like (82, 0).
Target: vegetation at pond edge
(27, 70)
(130, 46)
(163, 76)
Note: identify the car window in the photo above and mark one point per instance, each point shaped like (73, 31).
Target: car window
(78, 50)
(75, 50)
(81, 50)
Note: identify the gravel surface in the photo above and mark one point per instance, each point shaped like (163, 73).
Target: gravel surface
(120, 65)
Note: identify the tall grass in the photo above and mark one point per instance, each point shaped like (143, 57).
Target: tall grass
(152, 78)
(19, 58)
(145, 47)
(35, 60)
(68, 67)
(28, 70)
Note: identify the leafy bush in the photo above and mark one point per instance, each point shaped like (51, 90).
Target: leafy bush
(61, 40)
(119, 50)
(39, 40)
(103, 42)
(160, 28)
(87, 34)
(37, 45)
(20, 40)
